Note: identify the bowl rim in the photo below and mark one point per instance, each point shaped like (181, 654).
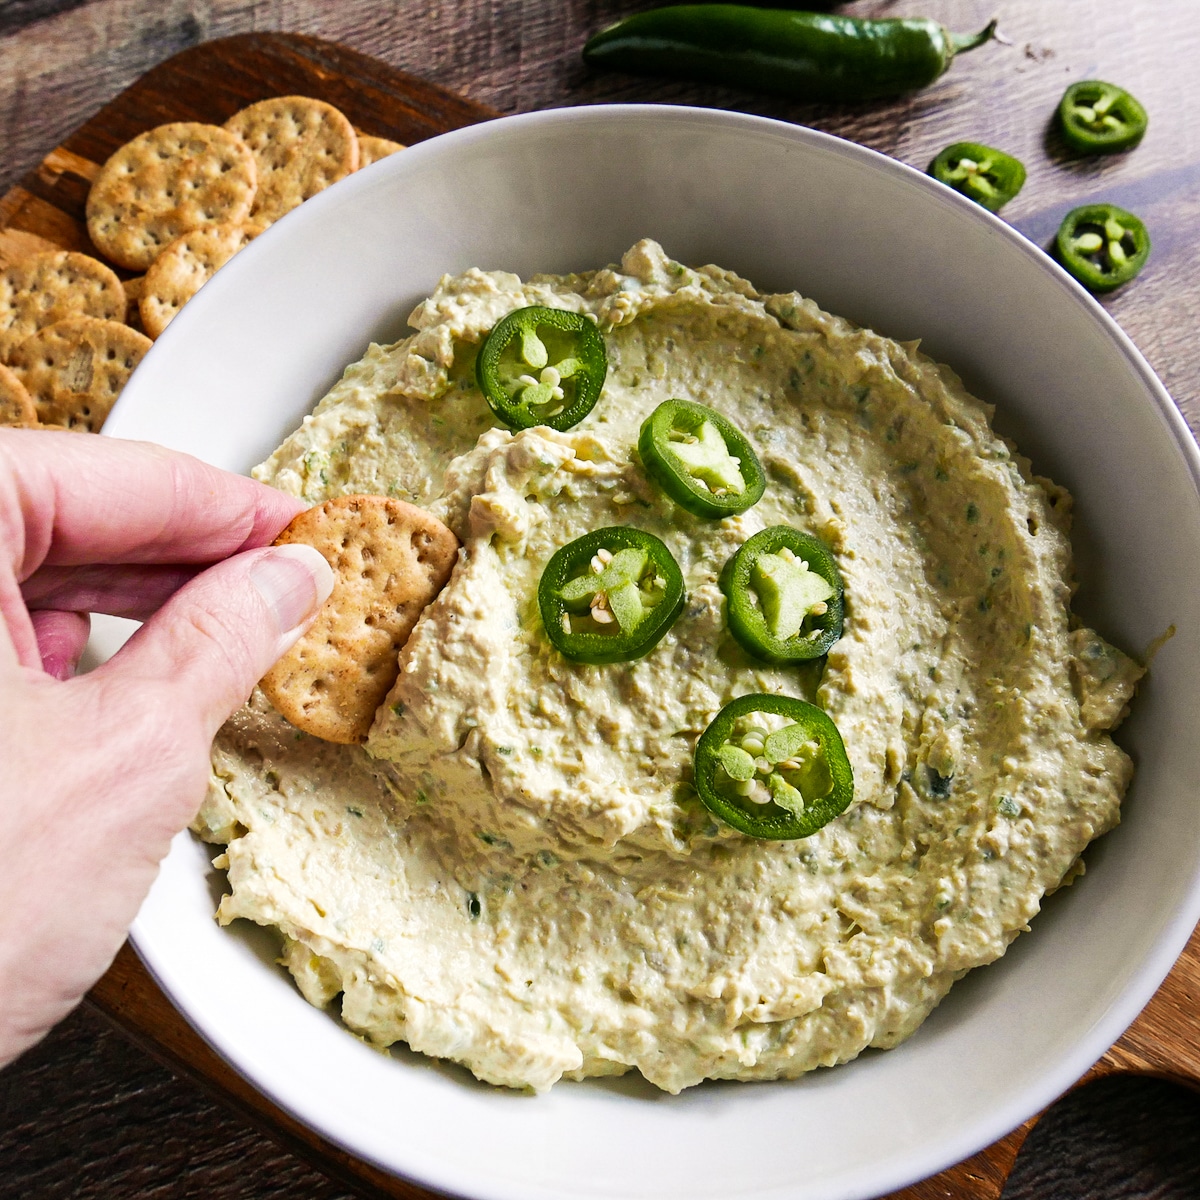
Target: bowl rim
(1155, 965)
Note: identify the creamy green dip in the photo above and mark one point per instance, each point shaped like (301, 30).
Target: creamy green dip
(515, 872)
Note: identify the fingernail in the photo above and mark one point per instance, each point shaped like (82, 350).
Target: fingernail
(294, 581)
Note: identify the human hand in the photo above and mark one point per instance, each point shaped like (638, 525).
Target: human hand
(97, 773)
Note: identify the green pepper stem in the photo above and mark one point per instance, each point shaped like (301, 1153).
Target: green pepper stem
(960, 43)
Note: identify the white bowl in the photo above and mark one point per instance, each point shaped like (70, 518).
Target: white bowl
(872, 240)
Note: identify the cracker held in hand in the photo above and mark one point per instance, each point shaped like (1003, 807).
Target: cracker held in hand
(75, 369)
(165, 182)
(300, 145)
(371, 148)
(49, 287)
(185, 266)
(16, 405)
(390, 560)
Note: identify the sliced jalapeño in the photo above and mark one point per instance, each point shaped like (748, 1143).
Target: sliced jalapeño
(773, 767)
(610, 596)
(1101, 118)
(988, 176)
(701, 459)
(785, 597)
(1102, 245)
(542, 366)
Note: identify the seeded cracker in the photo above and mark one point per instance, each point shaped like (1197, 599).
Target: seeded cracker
(390, 560)
(49, 287)
(185, 266)
(300, 145)
(75, 369)
(166, 181)
(16, 405)
(371, 148)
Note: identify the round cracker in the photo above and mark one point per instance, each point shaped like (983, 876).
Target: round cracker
(390, 559)
(133, 293)
(185, 266)
(166, 181)
(74, 370)
(371, 148)
(49, 287)
(300, 145)
(16, 404)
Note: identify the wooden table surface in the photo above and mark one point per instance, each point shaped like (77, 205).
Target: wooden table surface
(90, 1114)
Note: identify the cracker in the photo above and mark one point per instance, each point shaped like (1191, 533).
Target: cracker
(371, 148)
(185, 266)
(16, 404)
(75, 369)
(300, 145)
(133, 294)
(49, 287)
(390, 560)
(166, 181)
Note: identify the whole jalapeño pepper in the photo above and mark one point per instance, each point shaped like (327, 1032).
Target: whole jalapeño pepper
(800, 55)
(773, 767)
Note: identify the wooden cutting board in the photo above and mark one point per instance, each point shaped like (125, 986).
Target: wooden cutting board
(210, 83)
(45, 211)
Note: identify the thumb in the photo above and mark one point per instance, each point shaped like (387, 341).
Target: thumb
(217, 636)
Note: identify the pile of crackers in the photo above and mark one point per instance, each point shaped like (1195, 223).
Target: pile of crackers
(176, 203)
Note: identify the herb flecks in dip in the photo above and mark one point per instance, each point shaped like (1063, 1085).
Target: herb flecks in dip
(516, 873)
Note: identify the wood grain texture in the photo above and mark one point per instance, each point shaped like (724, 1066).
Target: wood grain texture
(1133, 1136)
(14, 14)
(131, 999)
(128, 1127)
(521, 54)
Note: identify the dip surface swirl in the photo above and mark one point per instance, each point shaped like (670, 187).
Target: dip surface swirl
(516, 873)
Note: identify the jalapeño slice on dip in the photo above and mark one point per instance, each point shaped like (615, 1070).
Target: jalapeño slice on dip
(700, 459)
(542, 366)
(773, 767)
(785, 595)
(610, 595)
